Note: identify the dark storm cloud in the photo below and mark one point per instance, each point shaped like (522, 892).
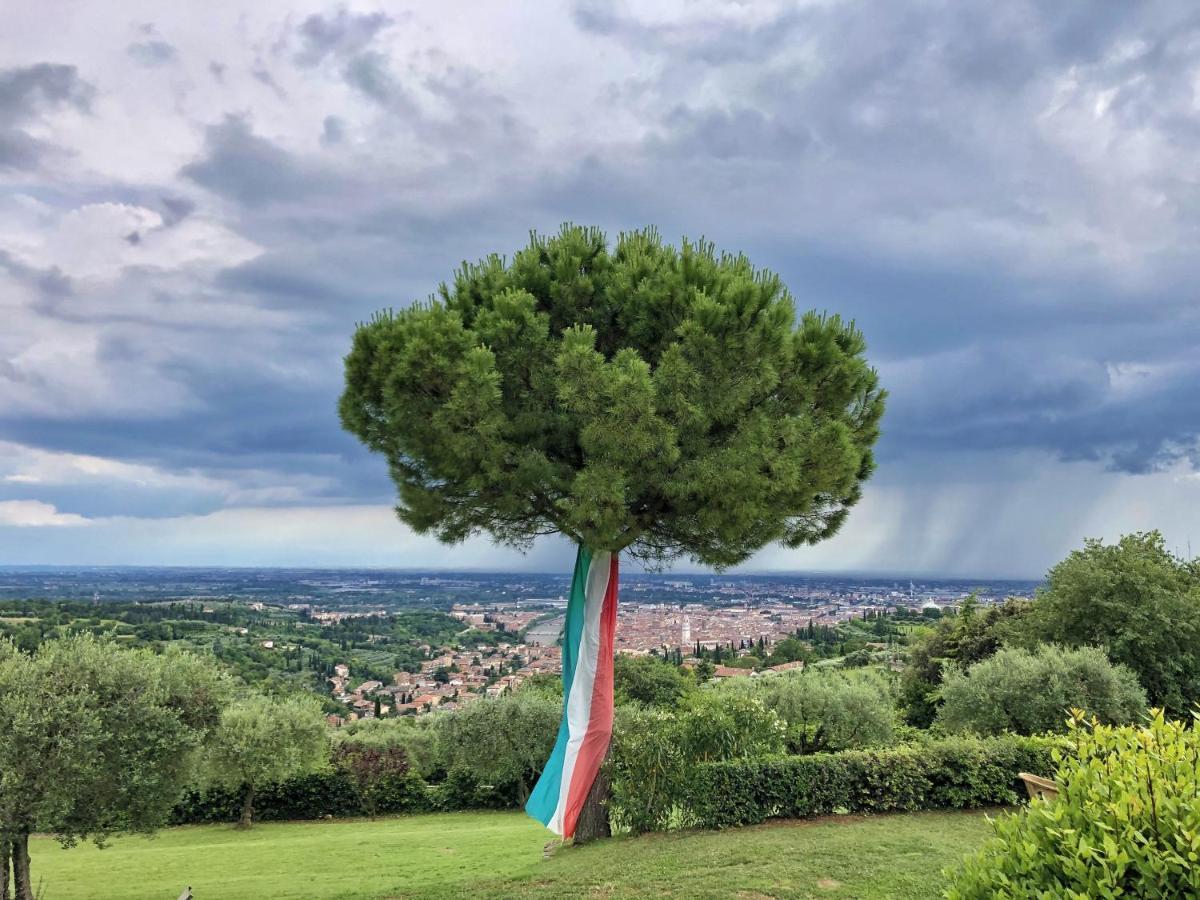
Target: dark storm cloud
(27, 91)
(250, 169)
(370, 74)
(940, 112)
(175, 209)
(914, 167)
(263, 76)
(340, 33)
(333, 131)
(26, 94)
(151, 53)
(48, 283)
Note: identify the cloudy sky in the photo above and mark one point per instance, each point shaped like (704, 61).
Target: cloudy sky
(198, 201)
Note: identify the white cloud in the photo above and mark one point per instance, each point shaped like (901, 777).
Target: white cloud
(31, 466)
(35, 514)
(99, 241)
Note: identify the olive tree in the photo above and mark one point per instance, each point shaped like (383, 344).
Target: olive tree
(263, 740)
(502, 740)
(1030, 692)
(637, 398)
(832, 710)
(95, 739)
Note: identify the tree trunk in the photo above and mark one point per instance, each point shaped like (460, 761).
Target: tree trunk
(593, 818)
(5, 856)
(22, 884)
(247, 808)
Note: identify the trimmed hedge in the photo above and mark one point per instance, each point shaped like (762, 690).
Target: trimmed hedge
(955, 773)
(330, 793)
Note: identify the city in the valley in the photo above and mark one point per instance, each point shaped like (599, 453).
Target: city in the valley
(386, 643)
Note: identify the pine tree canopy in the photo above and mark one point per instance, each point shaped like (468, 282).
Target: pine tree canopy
(644, 397)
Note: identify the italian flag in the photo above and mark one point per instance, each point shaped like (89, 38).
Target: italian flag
(587, 673)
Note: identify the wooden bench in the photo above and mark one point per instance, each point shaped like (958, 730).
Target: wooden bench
(1039, 787)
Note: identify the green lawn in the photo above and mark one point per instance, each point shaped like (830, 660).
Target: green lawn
(499, 854)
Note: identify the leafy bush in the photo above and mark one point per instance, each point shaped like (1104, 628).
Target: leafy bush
(1032, 692)
(1126, 822)
(462, 789)
(417, 737)
(503, 741)
(648, 679)
(832, 710)
(654, 750)
(313, 796)
(959, 640)
(954, 773)
(374, 771)
(329, 793)
(728, 723)
(647, 767)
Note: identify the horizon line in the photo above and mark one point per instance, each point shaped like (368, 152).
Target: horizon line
(848, 573)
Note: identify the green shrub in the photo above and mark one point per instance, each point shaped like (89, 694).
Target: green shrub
(832, 710)
(327, 793)
(503, 741)
(654, 750)
(1032, 692)
(417, 737)
(647, 769)
(1136, 599)
(462, 789)
(1126, 822)
(954, 773)
(650, 680)
(728, 723)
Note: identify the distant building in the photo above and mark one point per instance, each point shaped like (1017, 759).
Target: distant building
(729, 672)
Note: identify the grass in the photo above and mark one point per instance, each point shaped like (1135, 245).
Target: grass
(499, 854)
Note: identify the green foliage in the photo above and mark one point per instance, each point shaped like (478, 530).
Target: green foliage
(655, 750)
(788, 650)
(728, 724)
(832, 710)
(960, 640)
(543, 683)
(375, 772)
(1138, 601)
(330, 792)
(416, 736)
(94, 738)
(1033, 692)
(263, 740)
(1126, 822)
(650, 680)
(642, 396)
(503, 741)
(956, 773)
(648, 768)
(462, 789)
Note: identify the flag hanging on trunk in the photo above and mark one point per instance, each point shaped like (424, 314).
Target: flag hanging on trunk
(587, 675)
